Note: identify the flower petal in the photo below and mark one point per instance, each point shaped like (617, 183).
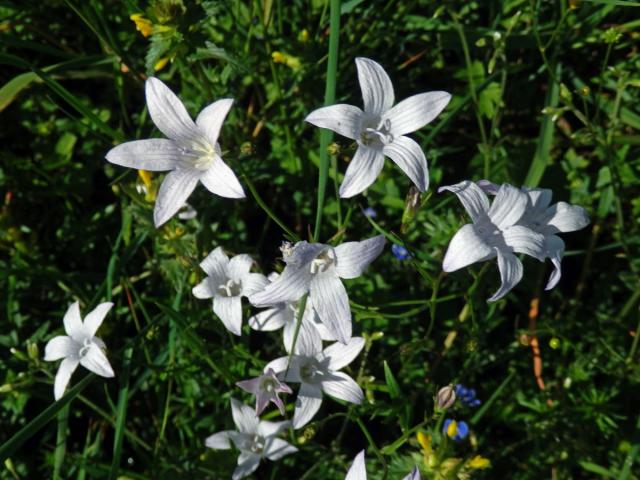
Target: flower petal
(413, 475)
(66, 368)
(555, 251)
(215, 265)
(466, 247)
(154, 155)
(342, 386)
(377, 90)
(239, 266)
(229, 310)
(279, 365)
(539, 198)
(308, 342)
(510, 273)
(278, 448)
(221, 180)
(341, 118)
(96, 361)
(341, 355)
(408, 155)
(488, 187)
(244, 417)
(416, 111)
(524, 240)
(354, 257)
(268, 320)
(472, 197)
(272, 429)
(73, 322)
(168, 112)
(204, 289)
(59, 347)
(331, 301)
(247, 464)
(211, 118)
(94, 318)
(563, 217)
(252, 385)
(290, 286)
(218, 441)
(363, 169)
(357, 471)
(307, 404)
(173, 193)
(508, 206)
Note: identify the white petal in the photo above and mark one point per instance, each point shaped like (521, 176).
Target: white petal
(362, 171)
(253, 283)
(472, 197)
(342, 386)
(354, 257)
(341, 355)
(308, 342)
(555, 251)
(239, 266)
(215, 265)
(73, 322)
(59, 347)
(244, 417)
(415, 112)
(173, 193)
(66, 368)
(94, 319)
(204, 289)
(524, 240)
(342, 119)
(357, 470)
(229, 310)
(331, 301)
(510, 273)
(278, 448)
(218, 441)
(268, 320)
(508, 206)
(247, 464)
(563, 217)
(221, 180)
(307, 404)
(168, 112)
(377, 90)
(466, 247)
(211, 118)
(488, 187)
(279, 365)
(96, 361)
(414, 475)
(539, 198)
(154, 155)
(408, 155)
(290, 286)
(271, 429)
(303, 253)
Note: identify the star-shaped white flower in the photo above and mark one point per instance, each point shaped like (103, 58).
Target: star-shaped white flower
(317, 268)
(359, 472)
(548, 220)
(494, 232)
(227, 282)
(254, 438)
(191, 152)
(380, 129)
(266, 388)
(79, 346)
(317, 371)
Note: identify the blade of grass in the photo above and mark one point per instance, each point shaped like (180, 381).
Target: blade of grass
(61, 442)
(487, 405)
(121, 414)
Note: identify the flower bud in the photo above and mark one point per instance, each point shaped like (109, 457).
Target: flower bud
(445, 397)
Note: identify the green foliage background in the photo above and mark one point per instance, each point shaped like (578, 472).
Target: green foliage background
(544, 94)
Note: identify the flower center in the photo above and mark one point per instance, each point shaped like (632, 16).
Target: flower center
(198, 155)
(268, 385)
(86, 344)
(257, 444)
(322, 262)
(376, 134)
(230, 289)
(310, 371)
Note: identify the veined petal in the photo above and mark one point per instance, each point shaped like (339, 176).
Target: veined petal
(168, 112)
(268, 320)
(279, 365)
(564, 217)
(357, 471)
(416, 111)
(341, 118)
(354, 257)
(331, 301)
(413, 475)
(363, 169)
(218, 441)
(59, 347)
(204, 289)
(307, 404)
(95, 317)
(96, 361)
(341, 355)
(221, 180)
(66, 368)
(555, 251)
(539, 198)
(211, 118)
(472, 197)
(229, 310)
(247, 464)
(308, 342)
(408, 155)
(244, 417)
(252, 386)
(341, 386)
(73, 322)
(272, 429)
(215, 265)
(278, 448)
(508, 206)
(377, 90)
(466, 247)
(488, 187)
(154, 155)
(239, 266)
(290, 286)
(510, 273)
(173, 193)
(524, 240)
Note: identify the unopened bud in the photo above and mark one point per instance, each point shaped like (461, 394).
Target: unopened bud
(445, 397)
(6, 388)
(32, 351)
(333, 149)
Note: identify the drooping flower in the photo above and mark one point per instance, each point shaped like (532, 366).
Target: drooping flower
(191, 152)
(400, 252)
(467, 396)
(317, 371)
(357, 471)
(266, 388)
(79, 346)
(455, 430)
(380, 129)
(227, 282)
(317, 268)
(494, 232)
(255, 438)
(549, 220)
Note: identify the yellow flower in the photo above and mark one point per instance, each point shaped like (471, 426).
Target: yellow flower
(303, 36)
(452, 429)
(289, 60)
(479, 462)
(424, 441)
(143, 25)
(160, 64)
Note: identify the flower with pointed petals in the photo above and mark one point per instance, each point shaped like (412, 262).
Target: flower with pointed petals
(380, 129)
(266, 388)
(455, 430)
(79, 346)
(227, 282)
(494, 232)
(317, 371)
(549, 220)
(255, 438)
(191, 152)
(359, 472)
(317, 268)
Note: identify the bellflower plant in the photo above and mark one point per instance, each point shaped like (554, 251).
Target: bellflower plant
(255, 438)
(191, 152)
(380, 129)
(357, 471)
(79, 346)
(266, 388)
(494, 232)
(317, 268)
(227, 282)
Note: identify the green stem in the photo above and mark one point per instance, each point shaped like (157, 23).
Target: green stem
(375, 448)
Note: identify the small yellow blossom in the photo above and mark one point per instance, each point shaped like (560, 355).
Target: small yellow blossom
(143, 25)
(289, 60)
(160, 64)
(424, 441)
(303, 36)
(479, 462)
(452, 429)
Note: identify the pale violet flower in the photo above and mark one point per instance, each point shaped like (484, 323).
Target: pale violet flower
(79, 346)
(255, 438)
(380, 129)
(317, 371)
(227, 281)
(359, 472)
(191, 152)
(266, 388)
(318, 268)
(548, 220)
(494, 232)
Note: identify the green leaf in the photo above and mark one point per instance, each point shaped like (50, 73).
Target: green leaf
(394, 388)
(594, 468)
(13, 87)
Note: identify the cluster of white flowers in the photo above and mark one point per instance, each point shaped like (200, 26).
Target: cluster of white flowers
(518, 221)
